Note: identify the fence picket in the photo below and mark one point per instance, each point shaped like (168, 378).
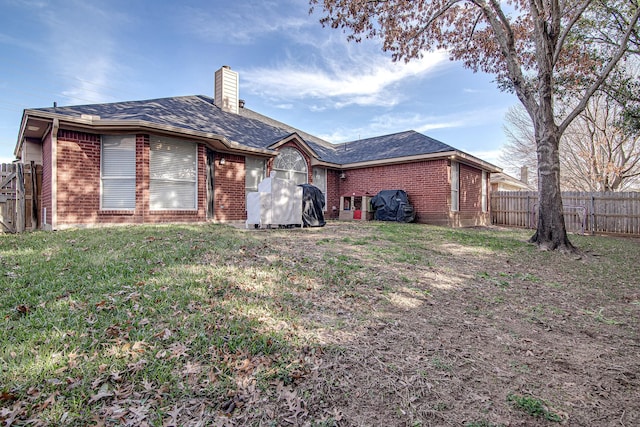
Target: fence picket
(20, 193)
(610, 212)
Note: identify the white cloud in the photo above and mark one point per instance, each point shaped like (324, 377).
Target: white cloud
(398, 122)
(362, 79)
(491, 156)
(84, 54)
(242, 22)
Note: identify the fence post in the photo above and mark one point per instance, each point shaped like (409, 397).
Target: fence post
(593, 214)
(528, 211)
(20, 218)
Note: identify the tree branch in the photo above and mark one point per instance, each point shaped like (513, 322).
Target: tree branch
(567, 30)
(622, 49)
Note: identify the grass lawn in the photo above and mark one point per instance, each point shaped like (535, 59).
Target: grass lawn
(347, 325)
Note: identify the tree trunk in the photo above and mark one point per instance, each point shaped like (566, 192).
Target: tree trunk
(551, 233)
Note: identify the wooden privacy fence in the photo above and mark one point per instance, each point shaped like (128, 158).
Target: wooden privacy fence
(20, 194)
(609, 212)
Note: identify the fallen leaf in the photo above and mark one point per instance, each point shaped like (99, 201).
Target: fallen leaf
(101, 394)
(164, 334)
(177, 350)
(50, 400)
(23, 309)
(7, 397)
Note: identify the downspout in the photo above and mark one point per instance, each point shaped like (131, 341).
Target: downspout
(54, 174)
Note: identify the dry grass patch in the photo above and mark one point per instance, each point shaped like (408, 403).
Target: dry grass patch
(350, 324)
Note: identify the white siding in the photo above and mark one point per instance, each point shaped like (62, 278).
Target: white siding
(226, 89)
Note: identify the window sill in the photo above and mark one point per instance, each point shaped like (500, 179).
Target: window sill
(116, 212)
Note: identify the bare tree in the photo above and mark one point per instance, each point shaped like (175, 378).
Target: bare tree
(599, 153)
(520, 149)
(535, 48)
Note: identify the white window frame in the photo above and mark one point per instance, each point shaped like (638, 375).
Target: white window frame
(321, 174)
(484, 191)
(160, 151)
(455, 186)
(254, 172)
(284, 165)
(120, 170)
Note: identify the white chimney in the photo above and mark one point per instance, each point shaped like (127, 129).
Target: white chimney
(524, 174)
(226, 94)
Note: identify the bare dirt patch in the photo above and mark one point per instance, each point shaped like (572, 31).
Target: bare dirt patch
(435, 327)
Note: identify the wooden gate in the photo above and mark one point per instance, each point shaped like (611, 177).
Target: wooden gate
(19, 197)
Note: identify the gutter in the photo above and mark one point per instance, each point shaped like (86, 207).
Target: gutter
(54, 173)
(454, 155)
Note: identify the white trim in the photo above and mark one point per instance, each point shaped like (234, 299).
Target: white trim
(54, 173)
(455, 186)
(484, 192)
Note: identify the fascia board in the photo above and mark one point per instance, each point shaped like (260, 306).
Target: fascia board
(23, 126)
(396, 160)
(451, 155)
(93, 123)
(298, 139)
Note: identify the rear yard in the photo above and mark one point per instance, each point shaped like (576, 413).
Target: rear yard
(347, 325)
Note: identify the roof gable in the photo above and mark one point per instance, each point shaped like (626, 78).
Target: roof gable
(402, 144)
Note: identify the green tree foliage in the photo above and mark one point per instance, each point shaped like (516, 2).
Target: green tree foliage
(535, 48)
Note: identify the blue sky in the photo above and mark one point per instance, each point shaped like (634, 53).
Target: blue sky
(80, 52)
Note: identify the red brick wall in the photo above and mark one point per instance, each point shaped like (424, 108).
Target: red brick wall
(78, 174)
(78, 195)
(470, 212)
(333, 194)
(229, 182)
(470, 189)
(46, 181)
(426, 183)
(428, 186)
(78, 200)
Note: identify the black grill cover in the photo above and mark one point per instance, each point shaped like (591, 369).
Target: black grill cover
(312, 203)
(392, 205)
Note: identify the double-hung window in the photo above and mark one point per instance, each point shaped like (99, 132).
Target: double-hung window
(172, 174)
(256, 169)
(455, 186)
(320, 181)
(118, 172)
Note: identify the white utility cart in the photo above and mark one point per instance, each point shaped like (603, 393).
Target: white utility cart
(278, 202)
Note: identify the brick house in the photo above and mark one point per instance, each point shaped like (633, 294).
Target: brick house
(194, 158)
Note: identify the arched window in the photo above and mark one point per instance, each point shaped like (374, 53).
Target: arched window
(291, 165)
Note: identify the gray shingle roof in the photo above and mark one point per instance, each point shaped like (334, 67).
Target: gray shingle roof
(198, 113)
(403, 144)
